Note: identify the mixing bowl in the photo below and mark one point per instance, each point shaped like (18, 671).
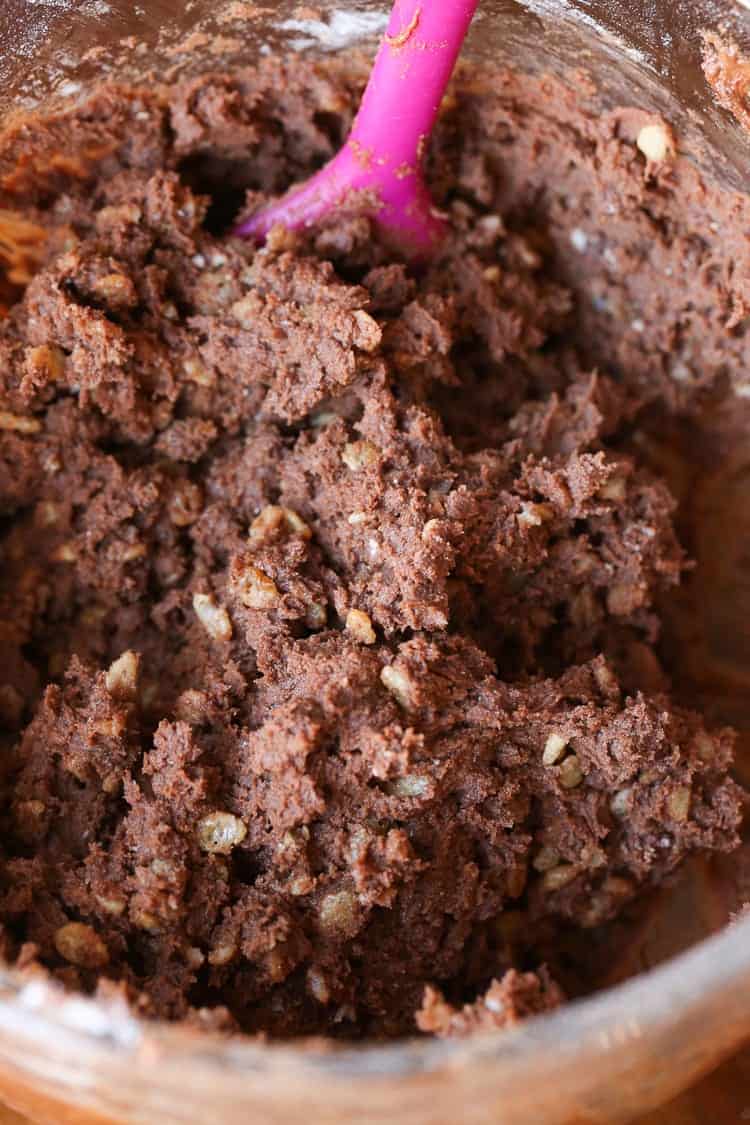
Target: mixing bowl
(631, 1046)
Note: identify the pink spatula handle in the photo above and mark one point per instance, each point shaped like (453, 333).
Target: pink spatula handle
(379, 168)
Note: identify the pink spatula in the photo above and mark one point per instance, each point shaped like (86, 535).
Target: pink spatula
(379, 169)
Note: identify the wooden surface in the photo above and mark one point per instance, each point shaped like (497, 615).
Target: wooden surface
(721, 1099)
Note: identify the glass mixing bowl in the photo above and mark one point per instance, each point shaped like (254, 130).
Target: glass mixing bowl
(628, 1048)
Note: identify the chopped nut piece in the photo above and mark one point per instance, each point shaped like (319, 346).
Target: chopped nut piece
(214, 618)
(275, 965)
(162, 868)
(272, 518)
(185, 504)
(558, 877)
(116, 290)
(615, 489)
(373, 548)
(528, 257)
(111, 727)
(31, 808)
(534, 515)
(133, 551)
(339, 915)
(678, 803)
(295, 523)
(247, 309)
(322, 418)
(357, 518)
(602, 904)
(197, 373)
(280, 238)
(412, 785)
(145, 920)
(592, 856)
(317, 986)
(190, 706)
(66, 553)
(432, 529)
(359, 455)
(122, 676)
(620, 803)
(296, 840)
(47, 513)
(111, 783)
(81, 945)
(616, 885)
(570, 773)
(623, 599)
(46, 360)
(582, 563)
(368, 333)
(656, 142)
(545, 859)
(19, 423)
(255, 589)
(194, 957)
(554, 748)
(359, 625)
(398, 684)
(302, 885)
(113, 216)
(605, 679)
(490, 224)
(222, 954)
(316, 615)
(114, 906)
(220, 832)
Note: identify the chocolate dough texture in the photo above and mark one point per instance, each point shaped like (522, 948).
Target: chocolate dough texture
(329, 676)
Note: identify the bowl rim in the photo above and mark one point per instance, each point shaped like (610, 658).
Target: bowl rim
(36, 1008)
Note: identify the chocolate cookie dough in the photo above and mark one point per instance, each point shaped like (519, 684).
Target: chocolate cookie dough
(330, 589)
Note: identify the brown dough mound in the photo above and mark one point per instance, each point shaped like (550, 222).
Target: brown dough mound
(328, 591)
